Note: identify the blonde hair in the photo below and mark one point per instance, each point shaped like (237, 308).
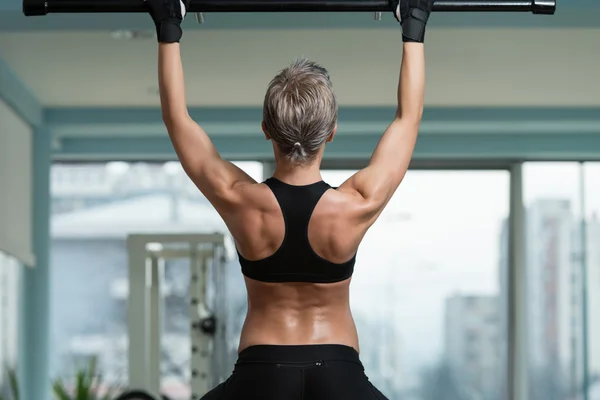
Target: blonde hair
(300, 110)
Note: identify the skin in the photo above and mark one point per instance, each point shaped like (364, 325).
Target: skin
(296, 313)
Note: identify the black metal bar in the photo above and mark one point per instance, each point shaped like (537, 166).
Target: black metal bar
(43, 7)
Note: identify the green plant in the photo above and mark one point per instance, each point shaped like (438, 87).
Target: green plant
(13, 383)
(85, 387)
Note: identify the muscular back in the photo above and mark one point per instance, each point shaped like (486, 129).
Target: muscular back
(297, 312)
(335, 229)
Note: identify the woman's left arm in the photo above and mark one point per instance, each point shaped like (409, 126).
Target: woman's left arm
(216, 178)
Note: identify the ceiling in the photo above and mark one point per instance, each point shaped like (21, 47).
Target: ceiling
(466, 67)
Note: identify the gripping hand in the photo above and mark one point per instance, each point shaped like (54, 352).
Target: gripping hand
(413, 16)
(168, 16)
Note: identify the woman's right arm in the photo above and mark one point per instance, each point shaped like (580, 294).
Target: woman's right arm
(375, 185)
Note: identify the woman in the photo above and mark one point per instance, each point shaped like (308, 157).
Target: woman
(297, 237)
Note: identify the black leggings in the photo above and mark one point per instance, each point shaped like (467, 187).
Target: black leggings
(317, 372)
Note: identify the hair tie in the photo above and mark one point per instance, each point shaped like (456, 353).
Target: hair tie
(298, 145)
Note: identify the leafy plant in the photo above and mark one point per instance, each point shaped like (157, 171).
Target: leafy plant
(85, 387)
(13, 383)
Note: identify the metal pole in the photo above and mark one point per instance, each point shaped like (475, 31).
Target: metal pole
(517, 290)
(154, 326)
(137, 313)
(584, 284)
(43, 7)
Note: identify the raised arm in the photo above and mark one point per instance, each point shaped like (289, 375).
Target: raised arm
(376, 184)
(216, 178)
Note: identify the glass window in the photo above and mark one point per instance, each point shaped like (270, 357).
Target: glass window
(427, 291)
(9, 302)
(92, 214)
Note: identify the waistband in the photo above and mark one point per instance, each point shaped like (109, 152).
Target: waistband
(298, 354)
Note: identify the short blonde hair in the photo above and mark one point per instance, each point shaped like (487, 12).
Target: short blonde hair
(300, 110)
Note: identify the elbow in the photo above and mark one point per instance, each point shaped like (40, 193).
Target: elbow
(169, 123)
(167, 119)
(420, 114)
(414, 117)
(417, 117)
(413, 120)
(171, 120)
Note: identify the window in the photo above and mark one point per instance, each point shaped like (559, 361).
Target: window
(91, 219)
(427, 276)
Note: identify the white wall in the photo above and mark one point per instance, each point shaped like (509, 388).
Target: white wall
(15, 185)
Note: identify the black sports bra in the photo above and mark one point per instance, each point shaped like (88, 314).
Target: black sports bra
(295, 260)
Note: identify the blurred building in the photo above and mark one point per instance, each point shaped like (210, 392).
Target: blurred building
(553, 288)
(471, 344)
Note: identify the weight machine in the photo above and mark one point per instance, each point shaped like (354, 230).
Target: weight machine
(207, 308)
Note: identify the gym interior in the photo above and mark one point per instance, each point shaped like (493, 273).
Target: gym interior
(481, 281)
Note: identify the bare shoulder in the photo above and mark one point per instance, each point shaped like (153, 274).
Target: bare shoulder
(342, 210)
(338, 225)
(254, 202)
(255, 196)
(350, 203)
(256, 221)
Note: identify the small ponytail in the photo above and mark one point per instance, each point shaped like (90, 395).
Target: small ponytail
(298, 155)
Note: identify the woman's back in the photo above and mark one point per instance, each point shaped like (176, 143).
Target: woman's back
(298, 313)
(297, 248)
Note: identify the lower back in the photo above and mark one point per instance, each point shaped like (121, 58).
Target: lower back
(298, 314)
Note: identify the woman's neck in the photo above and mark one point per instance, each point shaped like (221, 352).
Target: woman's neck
(298, 174)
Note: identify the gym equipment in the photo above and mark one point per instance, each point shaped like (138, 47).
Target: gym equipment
(147, 256)
(43, 7)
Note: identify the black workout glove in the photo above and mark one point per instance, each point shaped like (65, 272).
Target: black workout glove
(413, 16)
(167, 16)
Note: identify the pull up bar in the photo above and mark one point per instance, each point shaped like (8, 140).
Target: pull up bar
(43, 7)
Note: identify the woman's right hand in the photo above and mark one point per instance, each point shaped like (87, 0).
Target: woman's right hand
(413, 16)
